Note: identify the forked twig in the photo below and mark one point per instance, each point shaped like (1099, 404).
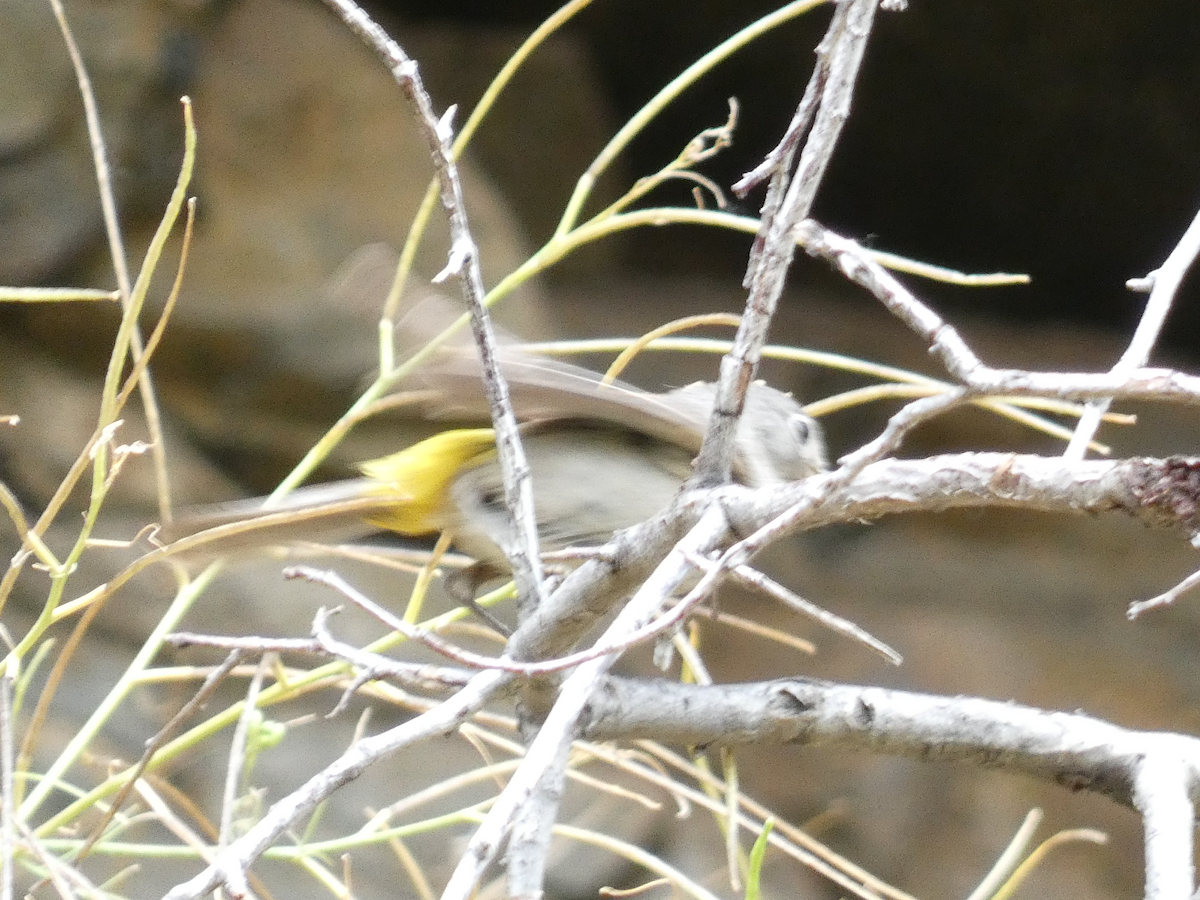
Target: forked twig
(523, 553)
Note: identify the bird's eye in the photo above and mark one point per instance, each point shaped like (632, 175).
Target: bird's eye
(802, 429)
(492, 499)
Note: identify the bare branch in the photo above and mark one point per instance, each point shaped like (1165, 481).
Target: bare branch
(523, 554)
(1157, 492)
(236, 766)
(947, 345)
(529, 803)
(793, 601)
(1166, 598)
(789, 199)
(651, 629)
(231, 864)
(1156, 773)
(1165, 280)
(1069, 749)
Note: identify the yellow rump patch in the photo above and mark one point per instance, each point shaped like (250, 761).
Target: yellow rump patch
(419, 478)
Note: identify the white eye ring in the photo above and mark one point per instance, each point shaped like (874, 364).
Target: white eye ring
(802, 428)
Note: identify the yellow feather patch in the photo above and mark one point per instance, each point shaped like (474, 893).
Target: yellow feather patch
(419, 478)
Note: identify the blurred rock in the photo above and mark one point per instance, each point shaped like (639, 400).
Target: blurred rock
(58, 411)
(542, 133)
(140, 56)
(309, 151)
(301, 162)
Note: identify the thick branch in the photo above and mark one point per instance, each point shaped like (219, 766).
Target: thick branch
(1158, 492)
(1156, 773)
(1071, 750)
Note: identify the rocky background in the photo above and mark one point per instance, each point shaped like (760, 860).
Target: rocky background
(1057, 139)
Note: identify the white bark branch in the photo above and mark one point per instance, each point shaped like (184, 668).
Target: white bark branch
(960, 361)
(526, 808)
(1164, 792)
(826, 103)
(1165, 280)
(1071, 750)
(1156, 773)
(523, 554)
(1158, 492)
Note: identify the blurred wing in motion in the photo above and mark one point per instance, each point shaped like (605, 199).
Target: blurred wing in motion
(777, 442)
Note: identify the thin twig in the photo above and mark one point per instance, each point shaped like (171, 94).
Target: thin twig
(523, 552)
(796, 603)
(789, 199)
(64, 878)
(197, 700)
(54, 295)
(758, 629)
(232, 864)
(421, 676)
(1008, 861)
(1166, 280)
(8, 811)
(236, 766)
(420, 220)
(649, 631)
(644, 116)
(792, 841)
(372, 666)
(527, 807)
(1166, 598)
(116, 245)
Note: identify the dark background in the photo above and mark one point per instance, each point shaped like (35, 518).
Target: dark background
(1059, 139)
